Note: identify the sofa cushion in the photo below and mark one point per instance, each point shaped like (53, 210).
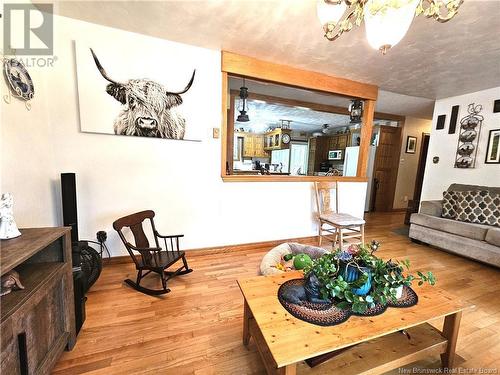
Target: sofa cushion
(433, 208)
(480, 207)
(493, 236)
(469, 230)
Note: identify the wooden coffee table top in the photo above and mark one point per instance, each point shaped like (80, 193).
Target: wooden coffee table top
(291, 340)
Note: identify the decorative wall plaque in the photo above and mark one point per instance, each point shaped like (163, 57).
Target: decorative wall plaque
(453, 119)
(470, 128)
(440, 122)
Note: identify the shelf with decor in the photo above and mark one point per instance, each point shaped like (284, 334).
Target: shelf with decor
(278, 139)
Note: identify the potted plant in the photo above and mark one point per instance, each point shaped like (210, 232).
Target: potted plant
(357, 279)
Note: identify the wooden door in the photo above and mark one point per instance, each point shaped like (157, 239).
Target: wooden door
(385, 169)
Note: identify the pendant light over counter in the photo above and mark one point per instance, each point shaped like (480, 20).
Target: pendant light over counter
(242, 108)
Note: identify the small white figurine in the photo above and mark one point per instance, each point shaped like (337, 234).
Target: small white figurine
(8, 227)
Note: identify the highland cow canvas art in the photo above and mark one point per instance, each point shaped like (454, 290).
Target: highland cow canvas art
(138, 94)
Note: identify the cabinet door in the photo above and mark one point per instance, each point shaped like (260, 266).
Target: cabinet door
(258, 143)
(41, 331)
(342, 141)
(10, 350)
(248, 146)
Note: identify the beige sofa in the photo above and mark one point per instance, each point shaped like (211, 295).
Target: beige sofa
(475, 241)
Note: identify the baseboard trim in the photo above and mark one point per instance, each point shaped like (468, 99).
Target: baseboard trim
(120, 259)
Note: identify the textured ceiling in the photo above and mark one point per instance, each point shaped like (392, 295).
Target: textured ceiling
(433, 60)
(265, 115)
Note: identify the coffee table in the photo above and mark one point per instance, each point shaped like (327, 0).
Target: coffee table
(374, 344)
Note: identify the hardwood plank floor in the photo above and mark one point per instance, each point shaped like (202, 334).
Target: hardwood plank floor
(196, 329)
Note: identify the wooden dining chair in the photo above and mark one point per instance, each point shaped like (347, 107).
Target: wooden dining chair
(334, 226)
(151, 259)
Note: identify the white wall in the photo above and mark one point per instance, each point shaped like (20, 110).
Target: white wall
(408, 163)
(439, 176)
(120, 175)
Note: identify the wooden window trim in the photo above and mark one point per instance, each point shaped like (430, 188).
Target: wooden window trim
(238, 65)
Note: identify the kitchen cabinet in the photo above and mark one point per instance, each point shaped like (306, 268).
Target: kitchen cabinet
(319, 147)
(338, 142)
(253, 145)
(258, 147)
(274, 139)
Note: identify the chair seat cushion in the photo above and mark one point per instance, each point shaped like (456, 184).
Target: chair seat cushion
(165, 259)
(469, 230)
(341, 219)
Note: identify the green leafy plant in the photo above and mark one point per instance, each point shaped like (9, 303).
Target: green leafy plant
(386, 277)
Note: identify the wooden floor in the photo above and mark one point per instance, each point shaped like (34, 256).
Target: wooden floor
(196, 329)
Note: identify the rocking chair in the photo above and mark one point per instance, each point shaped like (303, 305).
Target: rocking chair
(151, 259)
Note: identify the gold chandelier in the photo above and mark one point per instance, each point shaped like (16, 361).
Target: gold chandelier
(386, 21)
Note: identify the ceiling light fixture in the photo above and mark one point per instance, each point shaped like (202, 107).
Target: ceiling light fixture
(386, 21)
(243, 117)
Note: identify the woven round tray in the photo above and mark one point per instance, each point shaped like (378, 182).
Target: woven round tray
(328, 314)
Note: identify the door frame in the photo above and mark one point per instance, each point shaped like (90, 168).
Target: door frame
(421, 166)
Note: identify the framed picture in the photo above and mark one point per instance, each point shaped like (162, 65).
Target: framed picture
(154, 97)
(493, 149)
(411, 144)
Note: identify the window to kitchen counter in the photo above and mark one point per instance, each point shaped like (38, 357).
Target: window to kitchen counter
(292, 125)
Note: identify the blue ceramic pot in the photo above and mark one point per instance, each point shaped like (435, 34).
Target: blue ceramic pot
(352, 273)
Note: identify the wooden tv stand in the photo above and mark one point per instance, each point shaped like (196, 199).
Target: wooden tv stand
(38, 322)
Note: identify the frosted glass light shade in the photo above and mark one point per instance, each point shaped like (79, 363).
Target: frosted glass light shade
(386, 28)
(330, 13)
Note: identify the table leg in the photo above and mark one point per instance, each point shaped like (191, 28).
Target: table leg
(450, 331)
(247, 314)
(288, 370)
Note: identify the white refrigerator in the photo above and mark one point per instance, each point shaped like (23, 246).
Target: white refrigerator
(351, 166)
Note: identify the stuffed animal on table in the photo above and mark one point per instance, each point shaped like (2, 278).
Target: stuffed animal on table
(9, 282)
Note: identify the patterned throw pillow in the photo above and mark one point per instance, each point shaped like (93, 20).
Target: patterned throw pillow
(480, 207)
(492, 209)
(450, 203)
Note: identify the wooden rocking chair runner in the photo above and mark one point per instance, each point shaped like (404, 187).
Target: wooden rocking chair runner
(151, 259)
(334, 226)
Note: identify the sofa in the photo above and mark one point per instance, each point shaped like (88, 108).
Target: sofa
(475, 241)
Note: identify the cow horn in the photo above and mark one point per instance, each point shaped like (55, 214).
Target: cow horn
(186, 88)
(101, 69)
